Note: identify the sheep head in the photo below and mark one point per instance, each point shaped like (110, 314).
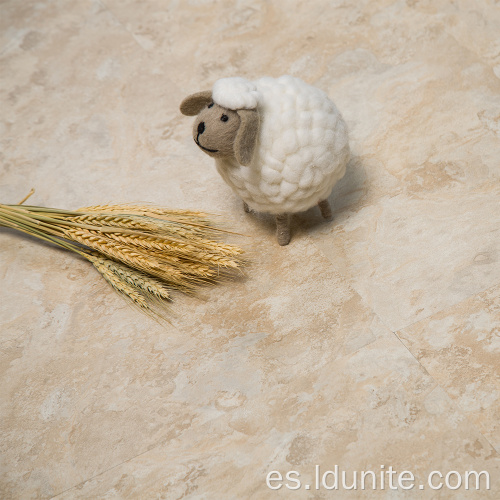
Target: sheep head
(222, 132)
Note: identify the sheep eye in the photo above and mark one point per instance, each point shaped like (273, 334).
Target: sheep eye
(224, 118)
(210, 105)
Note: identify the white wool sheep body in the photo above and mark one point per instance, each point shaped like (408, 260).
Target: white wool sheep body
(302, 147)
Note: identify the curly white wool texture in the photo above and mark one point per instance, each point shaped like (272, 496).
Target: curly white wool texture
(302, 149)
(236, 93)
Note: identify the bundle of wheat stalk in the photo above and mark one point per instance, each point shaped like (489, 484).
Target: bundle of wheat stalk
(142, 251)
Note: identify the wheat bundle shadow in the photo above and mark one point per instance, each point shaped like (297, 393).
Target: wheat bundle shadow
(144, 252)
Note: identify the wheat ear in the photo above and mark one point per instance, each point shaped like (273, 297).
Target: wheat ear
(178, 253)
(118, 283)
(131, 257)
(147, 284)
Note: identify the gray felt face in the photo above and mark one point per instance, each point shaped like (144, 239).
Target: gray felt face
(222, 132)
(215, 130)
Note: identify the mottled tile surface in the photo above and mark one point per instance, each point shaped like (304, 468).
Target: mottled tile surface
(368, 341)
(460, 348)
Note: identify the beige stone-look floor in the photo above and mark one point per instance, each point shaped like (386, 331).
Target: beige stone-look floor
(370, 340)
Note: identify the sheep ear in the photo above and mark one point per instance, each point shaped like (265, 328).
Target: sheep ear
(194, 103)
(246, 138)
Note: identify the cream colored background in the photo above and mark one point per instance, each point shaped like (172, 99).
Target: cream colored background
(373, 339)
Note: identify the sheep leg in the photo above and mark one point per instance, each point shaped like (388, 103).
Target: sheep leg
(283, 229)
(246, 208)
(326, 210)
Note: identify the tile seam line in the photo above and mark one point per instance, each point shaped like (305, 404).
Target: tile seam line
(450, 306)
(104, 471)
(144, 52)
(395, 333)
(454, 404)
(6, 47)
(112, 14)
(409, 325)
(437, 384)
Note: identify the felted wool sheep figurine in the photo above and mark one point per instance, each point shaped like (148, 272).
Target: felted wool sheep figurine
(279, 143)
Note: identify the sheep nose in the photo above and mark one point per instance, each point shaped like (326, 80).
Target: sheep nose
(201, 128)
